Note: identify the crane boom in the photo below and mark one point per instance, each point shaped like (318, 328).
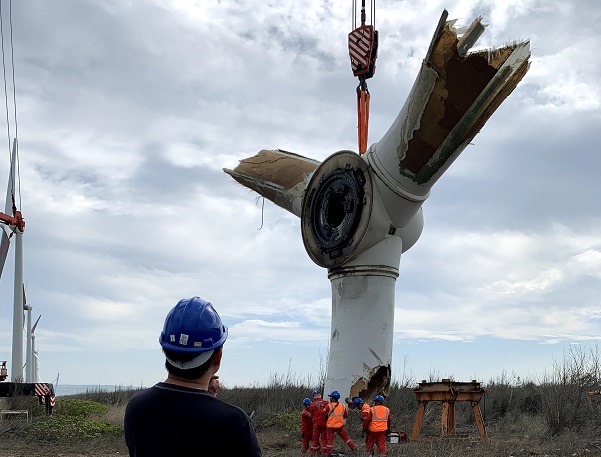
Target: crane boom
(16, 220)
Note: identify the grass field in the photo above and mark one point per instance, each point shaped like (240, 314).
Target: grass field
(551, 417)
(91, 425)
(510, 440)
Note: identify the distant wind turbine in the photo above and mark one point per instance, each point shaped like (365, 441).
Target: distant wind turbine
(15, 225)
(35, 375)
(30, 355)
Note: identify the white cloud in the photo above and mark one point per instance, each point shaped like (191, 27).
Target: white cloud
(541, 282)
(128, 111)
(587, 263)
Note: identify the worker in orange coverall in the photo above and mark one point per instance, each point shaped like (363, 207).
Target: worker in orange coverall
(318, 410)
(337, 413)
(377, 423)
(306, 425)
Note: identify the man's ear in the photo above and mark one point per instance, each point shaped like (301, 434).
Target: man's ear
(216, 359)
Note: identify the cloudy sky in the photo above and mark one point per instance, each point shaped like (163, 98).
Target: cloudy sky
(127, 112)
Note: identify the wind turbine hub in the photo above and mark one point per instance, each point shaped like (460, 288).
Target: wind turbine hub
(336, 208)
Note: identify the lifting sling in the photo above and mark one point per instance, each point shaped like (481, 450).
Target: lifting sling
(363, 50)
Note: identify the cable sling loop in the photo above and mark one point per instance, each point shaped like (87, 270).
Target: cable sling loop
(363, 115)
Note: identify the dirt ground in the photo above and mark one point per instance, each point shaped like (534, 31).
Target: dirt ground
(14, 448)
(282, 445)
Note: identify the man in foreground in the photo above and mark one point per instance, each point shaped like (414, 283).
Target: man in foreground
(179, 416)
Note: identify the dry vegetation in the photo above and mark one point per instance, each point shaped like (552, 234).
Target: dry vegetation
(549, 418)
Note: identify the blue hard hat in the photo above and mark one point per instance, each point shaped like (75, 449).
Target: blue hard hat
(335, 395)
(192, 327)
(316, 392)
(379, 398)
(307, 401)
(357, 401)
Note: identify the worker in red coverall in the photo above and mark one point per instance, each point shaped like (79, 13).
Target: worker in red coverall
(306, 425)
(337, 413)
(377, 423)
(318, 410)
(364, 410)
(362, 407)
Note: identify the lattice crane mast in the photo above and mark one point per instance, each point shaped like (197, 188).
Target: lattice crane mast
(363, 50)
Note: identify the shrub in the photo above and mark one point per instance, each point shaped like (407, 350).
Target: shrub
(74, 419)
(78, 408)
(60, 428)
(286, 421)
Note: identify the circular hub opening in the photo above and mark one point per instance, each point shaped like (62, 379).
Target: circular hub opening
(335, 209)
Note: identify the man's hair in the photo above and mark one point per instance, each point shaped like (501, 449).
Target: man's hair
(192, 373)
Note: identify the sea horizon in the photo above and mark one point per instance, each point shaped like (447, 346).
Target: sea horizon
(62, 390)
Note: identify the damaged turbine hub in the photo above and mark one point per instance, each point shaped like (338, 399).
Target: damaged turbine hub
(360, 213)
